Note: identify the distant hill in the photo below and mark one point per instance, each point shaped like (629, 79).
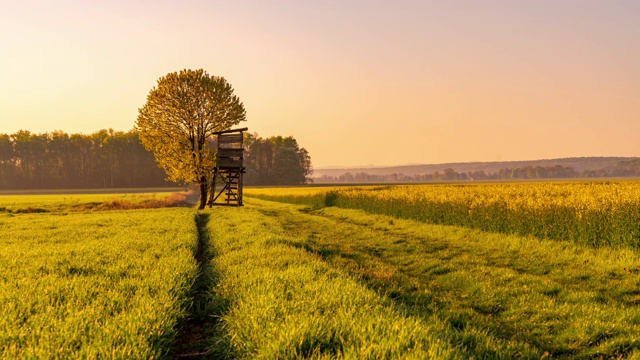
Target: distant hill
(582, 166)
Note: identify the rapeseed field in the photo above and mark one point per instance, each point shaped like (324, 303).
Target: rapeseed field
(592, 213)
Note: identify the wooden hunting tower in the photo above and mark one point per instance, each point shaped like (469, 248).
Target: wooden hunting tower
(227, 175)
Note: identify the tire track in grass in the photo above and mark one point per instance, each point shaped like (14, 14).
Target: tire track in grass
(562, 300)
(192, 340)
(306, 229)
(280, 302)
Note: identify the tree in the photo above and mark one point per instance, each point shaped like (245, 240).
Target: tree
(7, 166)
(287, 167)
(276, 160)
(179, 118)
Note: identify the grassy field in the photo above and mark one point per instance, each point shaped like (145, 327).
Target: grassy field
(94, 284)
(552, 271)
(277, 300)
(290, 280)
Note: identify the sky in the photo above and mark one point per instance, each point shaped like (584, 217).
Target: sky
(356, 82)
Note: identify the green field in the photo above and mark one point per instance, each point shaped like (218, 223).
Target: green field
(552, 271)
(94, 285)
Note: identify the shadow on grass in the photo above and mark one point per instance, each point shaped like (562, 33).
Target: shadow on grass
(402, 293)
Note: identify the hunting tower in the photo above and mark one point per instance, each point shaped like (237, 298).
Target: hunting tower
(227, 175)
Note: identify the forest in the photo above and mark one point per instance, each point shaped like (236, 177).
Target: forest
(117, 159)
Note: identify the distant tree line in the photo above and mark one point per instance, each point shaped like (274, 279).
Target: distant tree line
(116, 159)
(104, 159)
(622, 169)
(276, 160)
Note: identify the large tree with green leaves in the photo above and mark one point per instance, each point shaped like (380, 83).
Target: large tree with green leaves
(178, 120)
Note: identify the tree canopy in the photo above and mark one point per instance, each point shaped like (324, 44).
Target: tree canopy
(178, 120)
(276, 160)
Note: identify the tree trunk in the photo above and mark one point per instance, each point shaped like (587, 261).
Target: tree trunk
(203, 193)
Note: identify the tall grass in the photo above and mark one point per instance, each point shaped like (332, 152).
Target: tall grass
(94, 285)
(592, 213)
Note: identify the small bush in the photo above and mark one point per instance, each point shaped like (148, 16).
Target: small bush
(330, 198)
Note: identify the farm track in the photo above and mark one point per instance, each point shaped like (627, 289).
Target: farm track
(278, 301)
(191, 342)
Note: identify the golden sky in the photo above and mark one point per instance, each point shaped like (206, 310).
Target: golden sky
(355, 82)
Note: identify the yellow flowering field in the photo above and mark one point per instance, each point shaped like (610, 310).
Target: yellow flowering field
(594, 213)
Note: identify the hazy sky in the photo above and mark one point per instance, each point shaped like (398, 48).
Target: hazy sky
(355, 82)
